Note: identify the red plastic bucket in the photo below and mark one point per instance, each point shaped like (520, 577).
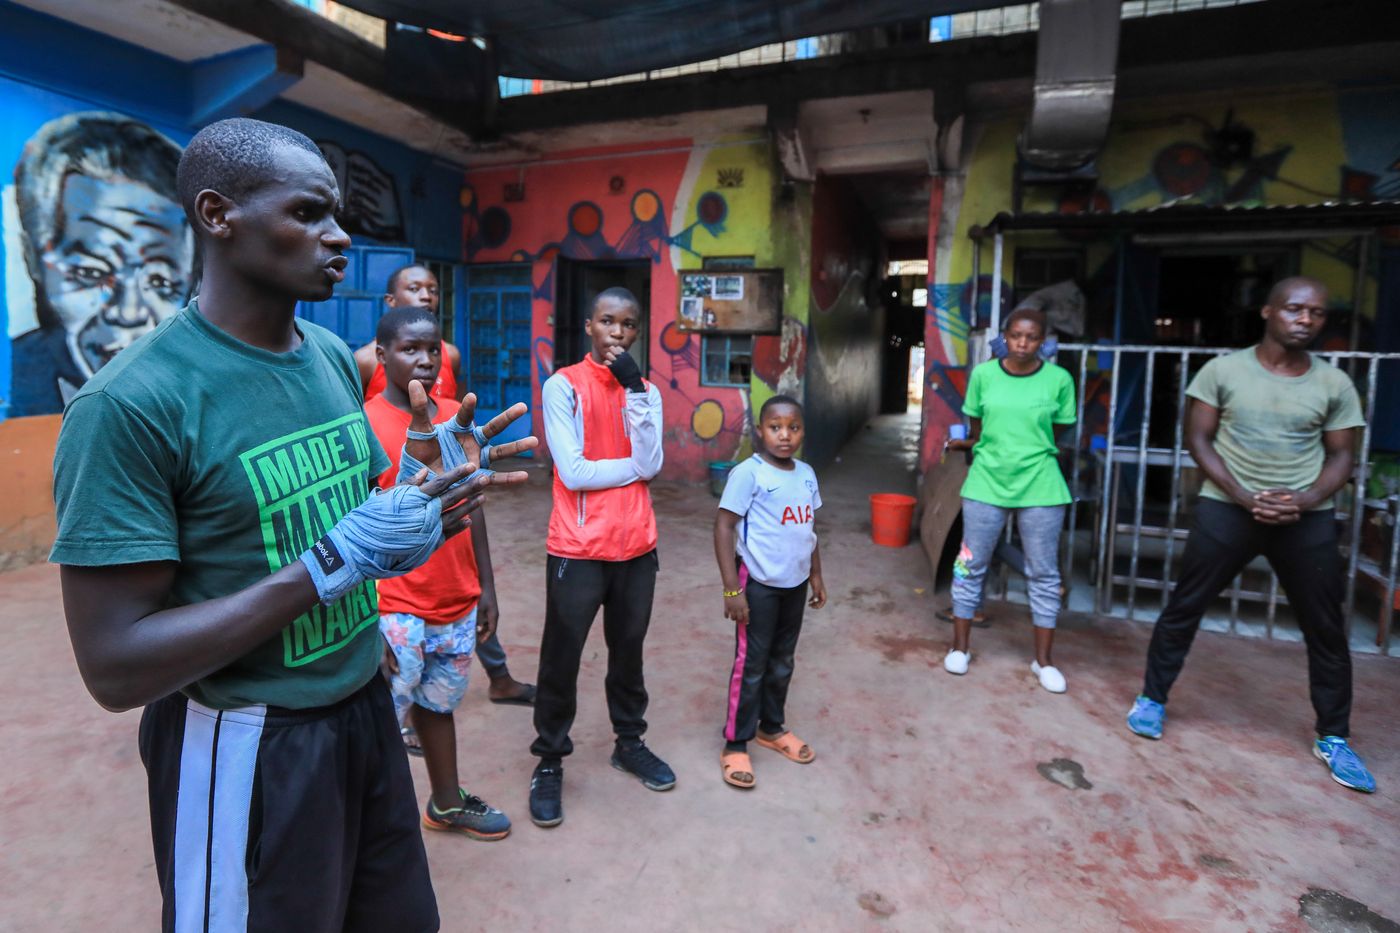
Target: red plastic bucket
(891, 516)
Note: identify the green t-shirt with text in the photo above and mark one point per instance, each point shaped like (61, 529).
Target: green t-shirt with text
(1271, 426)
(1014, 464)
(195, 447)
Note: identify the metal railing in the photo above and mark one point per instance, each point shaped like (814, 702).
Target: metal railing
(1131, 477)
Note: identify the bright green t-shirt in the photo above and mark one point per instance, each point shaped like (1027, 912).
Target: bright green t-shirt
(195, 447)
(1271, 426)
(1013, 463)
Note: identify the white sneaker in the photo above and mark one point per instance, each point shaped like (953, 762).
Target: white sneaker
(1050, 677)
(956, 661)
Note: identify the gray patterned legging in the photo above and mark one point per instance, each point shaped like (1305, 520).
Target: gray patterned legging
(1040, 537)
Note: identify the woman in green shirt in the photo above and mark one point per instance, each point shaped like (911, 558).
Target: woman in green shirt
(1015, 406)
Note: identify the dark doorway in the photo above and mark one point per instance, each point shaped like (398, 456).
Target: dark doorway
(579, 283)
(1212, 298)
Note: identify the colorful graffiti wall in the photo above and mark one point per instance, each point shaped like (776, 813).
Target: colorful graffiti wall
(1307, 147)
(674, 205)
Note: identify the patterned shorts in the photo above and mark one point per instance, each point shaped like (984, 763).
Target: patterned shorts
(434, 661)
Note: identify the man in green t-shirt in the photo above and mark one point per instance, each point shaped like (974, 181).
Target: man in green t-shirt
(218, 549)
(1273, 430)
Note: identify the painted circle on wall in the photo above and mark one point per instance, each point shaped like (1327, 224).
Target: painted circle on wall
(585, 218)
(495, 226)
(1183, 169)
(645, 205)
(673, 339)
(707, 420)
(711, 208)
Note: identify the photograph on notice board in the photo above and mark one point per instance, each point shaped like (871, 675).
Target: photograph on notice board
(728, 288)
(696, 286)
(692, 311)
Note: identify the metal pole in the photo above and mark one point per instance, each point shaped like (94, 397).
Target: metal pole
(1358, 297)
(1105, 567)
(995, 326)
(1068, 562)
(1174, 496)
(1118, 291)
(1141, 491)
(972, 314)
(1358, 501)
(1388, 585)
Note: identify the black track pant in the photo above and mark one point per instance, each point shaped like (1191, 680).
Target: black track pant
(764, 649)
(574, 590)
(1309, 568)
(271, 819)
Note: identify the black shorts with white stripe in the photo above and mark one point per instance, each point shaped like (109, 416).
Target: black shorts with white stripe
(272, 819)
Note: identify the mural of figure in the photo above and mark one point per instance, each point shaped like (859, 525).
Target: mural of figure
(105, 243)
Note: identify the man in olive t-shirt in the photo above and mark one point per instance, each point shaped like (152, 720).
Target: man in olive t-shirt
(1272, 428)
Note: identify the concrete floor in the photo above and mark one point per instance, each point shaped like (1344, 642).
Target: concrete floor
(972, 803)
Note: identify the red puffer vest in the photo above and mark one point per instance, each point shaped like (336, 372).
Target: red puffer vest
(601, 524)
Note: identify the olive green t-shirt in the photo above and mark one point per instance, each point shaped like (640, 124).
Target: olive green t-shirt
(1014, 463)
(195, 447)
(1271, 426)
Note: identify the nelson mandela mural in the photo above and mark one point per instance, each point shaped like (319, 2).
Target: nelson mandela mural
(106, 245)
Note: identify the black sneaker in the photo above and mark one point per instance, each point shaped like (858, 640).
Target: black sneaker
(547, 795)
(633, 756)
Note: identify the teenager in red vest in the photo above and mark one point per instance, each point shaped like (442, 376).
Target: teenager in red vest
(603, 427)
(416, 287)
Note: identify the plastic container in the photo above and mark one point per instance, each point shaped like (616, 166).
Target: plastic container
(891, 517)
(719, 475)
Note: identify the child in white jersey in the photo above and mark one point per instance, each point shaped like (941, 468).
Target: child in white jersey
(765, 518)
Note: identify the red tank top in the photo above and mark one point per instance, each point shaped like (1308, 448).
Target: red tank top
(447, 587)
(445, 387)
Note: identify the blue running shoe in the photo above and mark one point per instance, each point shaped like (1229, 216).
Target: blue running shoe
(1346, 766)
(1147, 717)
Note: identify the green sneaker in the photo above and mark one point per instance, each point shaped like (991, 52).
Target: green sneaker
(474, 818)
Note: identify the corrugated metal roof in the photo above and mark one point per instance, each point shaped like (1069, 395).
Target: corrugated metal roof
(1193, 215)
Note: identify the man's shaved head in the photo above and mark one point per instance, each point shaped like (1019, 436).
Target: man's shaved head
(235, 158)
(1278, 295)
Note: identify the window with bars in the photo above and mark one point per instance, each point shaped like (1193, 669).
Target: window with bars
(1037, 268)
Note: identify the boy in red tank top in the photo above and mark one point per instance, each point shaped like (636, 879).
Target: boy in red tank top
(603, 427)
(429, 618)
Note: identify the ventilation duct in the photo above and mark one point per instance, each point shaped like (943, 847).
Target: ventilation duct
(1076, 61)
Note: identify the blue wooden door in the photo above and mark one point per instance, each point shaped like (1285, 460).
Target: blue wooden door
(353, 311)
(497, 350)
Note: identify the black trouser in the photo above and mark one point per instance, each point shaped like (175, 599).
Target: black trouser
(1309, 568)
(763, 659)
(273, 819)
(574, 589)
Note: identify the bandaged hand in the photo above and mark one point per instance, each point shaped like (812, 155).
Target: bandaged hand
(458, 441)
(387, 535)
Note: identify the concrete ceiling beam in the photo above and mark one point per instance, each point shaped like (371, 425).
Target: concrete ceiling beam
(240, 82)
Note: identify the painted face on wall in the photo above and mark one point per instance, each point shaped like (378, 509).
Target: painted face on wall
(117, 266)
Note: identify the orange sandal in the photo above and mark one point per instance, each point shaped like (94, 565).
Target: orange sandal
(789, 746)
(736, 767)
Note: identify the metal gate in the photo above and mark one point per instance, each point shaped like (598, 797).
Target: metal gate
(1133, 483)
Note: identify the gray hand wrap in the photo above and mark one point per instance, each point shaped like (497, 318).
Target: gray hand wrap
(387, 535)
(452, 454)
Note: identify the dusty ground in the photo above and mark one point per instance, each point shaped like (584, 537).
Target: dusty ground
(936, 802)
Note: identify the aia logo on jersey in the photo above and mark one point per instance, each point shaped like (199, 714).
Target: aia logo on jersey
(798, 516)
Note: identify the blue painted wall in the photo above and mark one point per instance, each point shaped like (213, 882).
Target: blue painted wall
(411, 200)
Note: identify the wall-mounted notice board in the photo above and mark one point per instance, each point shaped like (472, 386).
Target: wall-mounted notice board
(731, 301)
